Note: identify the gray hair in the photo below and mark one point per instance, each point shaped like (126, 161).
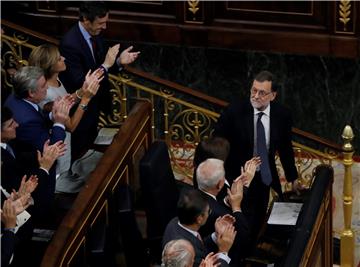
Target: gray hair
(26, 79)
(209, 173)
(177, 253)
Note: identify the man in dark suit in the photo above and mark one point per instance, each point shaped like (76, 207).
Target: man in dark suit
(193, 211)
(84, 48)
(19, 159)
(211, 179)
(259, 126)
(36, 128)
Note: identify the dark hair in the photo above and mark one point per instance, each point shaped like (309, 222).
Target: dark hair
(191, 204)
(92, 10)
(6, 114)
(213, 147)
(265, 75)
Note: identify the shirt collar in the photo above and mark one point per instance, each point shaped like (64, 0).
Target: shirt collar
(3, 145)
(187, 229)
(84, 32)
(266, 111)
(33, 104)
(209, 194)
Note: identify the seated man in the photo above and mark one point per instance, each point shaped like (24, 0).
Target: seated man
(193, 211)
(181, 253)
(211, 179)
(36, 127)
(19, 159)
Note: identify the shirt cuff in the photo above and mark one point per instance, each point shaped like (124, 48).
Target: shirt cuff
(104, 68)
(45, 170)
(59, 125)
(224, 256)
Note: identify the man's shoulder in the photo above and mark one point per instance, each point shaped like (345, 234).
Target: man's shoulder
(72, 34)
(280, 109)
(239, 105)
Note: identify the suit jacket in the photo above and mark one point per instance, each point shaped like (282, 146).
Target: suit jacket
(239, 249)
(12, 171)
(174, 231)
(34, 127)
(236, 124)
(79, 60)
(8, 240)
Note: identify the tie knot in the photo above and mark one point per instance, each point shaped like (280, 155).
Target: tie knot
(260, 114)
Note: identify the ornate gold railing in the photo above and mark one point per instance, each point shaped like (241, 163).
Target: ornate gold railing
(183, 117)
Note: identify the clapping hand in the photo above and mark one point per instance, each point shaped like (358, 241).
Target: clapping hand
(27, 186)
(226, 238)
(92, 83)
(211, 260)
(235, 195)
(8, 214)
(128, 57)
(222, 222)
(248, 171)
(111, 56)
(50, 154)
(20, 203)
(61, 109)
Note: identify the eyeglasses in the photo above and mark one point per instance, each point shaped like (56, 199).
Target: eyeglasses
(261, 93)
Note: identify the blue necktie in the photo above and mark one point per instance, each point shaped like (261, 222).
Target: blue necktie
(262, 151)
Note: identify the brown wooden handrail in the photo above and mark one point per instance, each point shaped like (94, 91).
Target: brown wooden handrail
(181, 88)
(30, 32)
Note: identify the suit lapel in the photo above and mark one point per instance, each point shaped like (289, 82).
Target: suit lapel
(85, 47)
(249, 122)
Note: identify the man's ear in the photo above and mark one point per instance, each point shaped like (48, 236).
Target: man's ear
(273, 96)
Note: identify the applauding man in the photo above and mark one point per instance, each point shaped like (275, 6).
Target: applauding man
(84, 48)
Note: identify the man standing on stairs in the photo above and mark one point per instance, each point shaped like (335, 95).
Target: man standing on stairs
(84, 48)
(259, 127)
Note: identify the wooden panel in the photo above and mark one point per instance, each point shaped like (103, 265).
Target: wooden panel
(90, 208)
(308, 27)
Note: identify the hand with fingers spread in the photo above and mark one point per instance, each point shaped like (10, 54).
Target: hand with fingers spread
(61, 108)
(27, 186)
(211, 260)
(226, 239)
(111, 56)
(91, 84)
(50, 154)
(248, 171)
(235, 195)
(21, 203)
(127, 57)
(222, 222)
(8, 214)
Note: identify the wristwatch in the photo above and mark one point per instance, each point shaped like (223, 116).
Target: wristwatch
(83, 107)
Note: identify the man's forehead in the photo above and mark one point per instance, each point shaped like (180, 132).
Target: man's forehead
(265, 85)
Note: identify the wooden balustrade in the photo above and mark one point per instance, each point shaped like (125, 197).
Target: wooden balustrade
(94, 204)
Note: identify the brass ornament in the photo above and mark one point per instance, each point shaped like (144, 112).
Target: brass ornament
(344, 12)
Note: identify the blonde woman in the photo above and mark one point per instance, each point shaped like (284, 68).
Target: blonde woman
(47, 57)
